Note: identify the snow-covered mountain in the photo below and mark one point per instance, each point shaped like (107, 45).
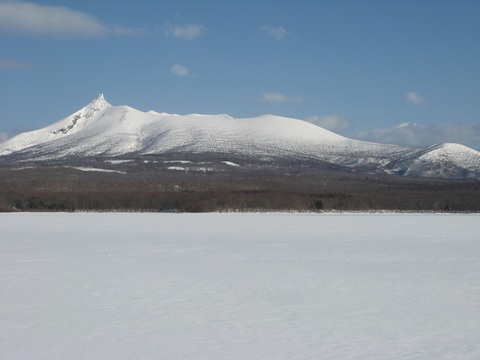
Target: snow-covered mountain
(102, 130)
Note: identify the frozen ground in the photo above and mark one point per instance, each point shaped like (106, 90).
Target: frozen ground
(239, 286)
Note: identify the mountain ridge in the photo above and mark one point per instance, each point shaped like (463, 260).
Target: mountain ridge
(102, 130)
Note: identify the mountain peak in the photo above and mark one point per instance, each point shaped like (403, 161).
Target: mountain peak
(95, 106)
(100, 98)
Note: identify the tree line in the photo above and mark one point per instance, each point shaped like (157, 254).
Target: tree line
(60, 189)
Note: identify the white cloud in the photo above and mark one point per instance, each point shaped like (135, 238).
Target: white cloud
(331, 122)
(57, 21)
(179, 70)
(3, 136)
(126, 31)
(421, 135)
(414, 98)
(278, 98)
(187, 32)
(13, 65)
(277, 32)
(28, 18)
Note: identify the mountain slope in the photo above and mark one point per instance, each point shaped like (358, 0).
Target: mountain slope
(102, 130)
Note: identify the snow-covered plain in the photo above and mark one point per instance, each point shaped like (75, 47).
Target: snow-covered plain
(239, 286)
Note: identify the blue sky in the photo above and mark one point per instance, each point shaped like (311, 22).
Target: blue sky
(400, 71)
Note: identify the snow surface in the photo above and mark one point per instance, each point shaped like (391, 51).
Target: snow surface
(97, 169)
(230, 163)
(239, 286)
(177, 168)
(116, 162)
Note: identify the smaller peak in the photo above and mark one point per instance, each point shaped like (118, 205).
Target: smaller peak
(451, 148)
(455, 146)
(451, 145)
(444, 146)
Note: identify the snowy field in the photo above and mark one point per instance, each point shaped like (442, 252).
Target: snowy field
(239, 286)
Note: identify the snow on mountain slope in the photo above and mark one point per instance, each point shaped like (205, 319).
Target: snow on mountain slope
(100, 129)
(446, 160)
(457, 153)
(58, 130)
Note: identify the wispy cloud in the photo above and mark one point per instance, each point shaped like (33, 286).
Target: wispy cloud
(276, 32)
(414, 98)
(3, 136)
(331, 122)
(7, 64)
(120, 30)
(278, 98)
(57, 21)
(179, 70)
(421, 135)
(188, 32)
